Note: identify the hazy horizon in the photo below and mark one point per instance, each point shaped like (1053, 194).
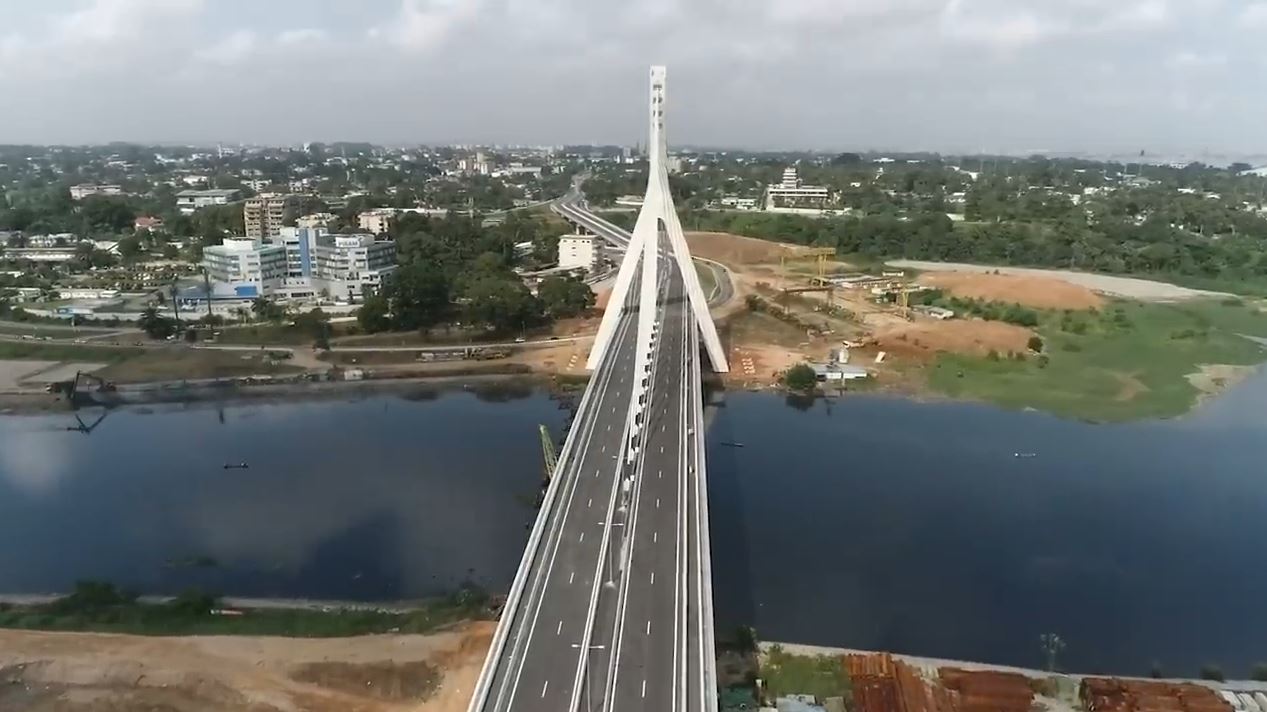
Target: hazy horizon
(1171, 77)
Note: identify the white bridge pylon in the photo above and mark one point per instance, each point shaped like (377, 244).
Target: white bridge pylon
(641, 257)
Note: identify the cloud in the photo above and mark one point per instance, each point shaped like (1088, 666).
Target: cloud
(232, 49)
(306, 35)
(1253, 16)
(423, 25)
(1188, 59)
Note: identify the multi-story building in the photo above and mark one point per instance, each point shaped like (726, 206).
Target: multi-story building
(188, 201)
(264, 215)
(578, 252)
(245, 267)
(342, 267)
(792, 193)
(376, 222)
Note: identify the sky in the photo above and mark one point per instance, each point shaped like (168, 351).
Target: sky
(1016, 76)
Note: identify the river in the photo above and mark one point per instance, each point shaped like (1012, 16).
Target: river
(864, 521)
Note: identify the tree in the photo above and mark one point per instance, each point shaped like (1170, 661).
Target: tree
(155, 325)
(1258, 672)
(129, 248)
(373, 315)
(266, 309)
(1212, 672)
(417, 295)
(316, 324)
(801, 378)
(565, 296)
(746, 639)
(501, 303)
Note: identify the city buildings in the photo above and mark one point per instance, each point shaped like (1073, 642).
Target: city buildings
(79, 192)
(244, 267)
(300, 263)
(187, 201)
(578, 252)
(147, 223)
(317, 220)
(376, 222)
(792, 193)
(264, 215)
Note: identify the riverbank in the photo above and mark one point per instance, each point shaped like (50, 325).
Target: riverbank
(92, 672)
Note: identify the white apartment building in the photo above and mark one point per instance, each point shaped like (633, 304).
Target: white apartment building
(187, 201)
(376, 222)
(790, 192)
(578, 252)
(317, 220)
(245, 268)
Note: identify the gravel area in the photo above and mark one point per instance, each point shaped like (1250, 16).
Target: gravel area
(1128, 287)
(11, 372)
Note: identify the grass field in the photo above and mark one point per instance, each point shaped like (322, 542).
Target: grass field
(172, 364)
(1125, 362)
(819, 675)
(49, 351)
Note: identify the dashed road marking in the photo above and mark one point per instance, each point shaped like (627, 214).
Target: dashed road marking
(559, 629)
(545, 687)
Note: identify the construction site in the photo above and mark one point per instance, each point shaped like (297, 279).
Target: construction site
(880, 682)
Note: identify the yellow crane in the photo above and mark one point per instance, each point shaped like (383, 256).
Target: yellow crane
(547, 451)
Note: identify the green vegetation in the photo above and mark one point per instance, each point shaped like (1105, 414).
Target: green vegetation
(455, 270)
(1126, 362)
(1212, 672)
(101, 607)
(1258, 672)
(990, 311)
(800, 378)
(46, 351)
(565, 296)
(819, 675)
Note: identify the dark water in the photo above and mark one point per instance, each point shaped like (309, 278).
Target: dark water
(382, 498)
(885, 524)
(875, 523)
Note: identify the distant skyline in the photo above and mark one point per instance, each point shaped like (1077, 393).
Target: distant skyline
(1173, 77)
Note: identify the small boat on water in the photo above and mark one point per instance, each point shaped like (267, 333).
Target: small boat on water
(730, 444)
(1024, 454)
(238, 466)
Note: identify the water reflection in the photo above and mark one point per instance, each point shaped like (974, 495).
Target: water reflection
(376, 498)
(890, 524)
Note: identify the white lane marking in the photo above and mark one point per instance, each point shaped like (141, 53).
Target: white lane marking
(648, 627)
(657, 502)
(652, 578)
(644, 688)
(605, 449)
(590, 503)
(571, 576)
(655, 537)
(659, 474)
(609, 427)
(582, 538)
(559, 629)
(544, 688)
(661, 449)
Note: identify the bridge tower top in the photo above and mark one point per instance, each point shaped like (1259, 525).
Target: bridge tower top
(657, 146)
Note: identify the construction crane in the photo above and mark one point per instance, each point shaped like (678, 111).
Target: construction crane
(547, 451)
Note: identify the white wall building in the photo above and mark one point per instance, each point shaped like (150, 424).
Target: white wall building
(341, 267)
(244, 267)
(578, 251)
(79, 192)
(188, 201)
(790, 192)
(376, 222)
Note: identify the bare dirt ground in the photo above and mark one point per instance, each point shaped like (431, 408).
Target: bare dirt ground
(1031, 291)
(86, 672)
(736, 250)
(923, 339)
(1214, 378)
(1128, 287)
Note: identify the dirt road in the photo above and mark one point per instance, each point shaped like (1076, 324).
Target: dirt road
(1128, 287)
(86, 672)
